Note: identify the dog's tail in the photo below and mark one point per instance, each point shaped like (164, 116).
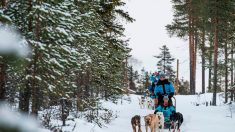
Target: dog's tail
(182, 118)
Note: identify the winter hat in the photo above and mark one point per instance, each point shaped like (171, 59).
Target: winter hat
(165, 97)
(162, 74)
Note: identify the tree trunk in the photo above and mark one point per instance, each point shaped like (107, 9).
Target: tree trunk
(25, 94)
(3, 68)
(210, 64)
(4, 3)
(210, 77)
(35, 90)
(79, 98)
(215, 61)
(190, 47)
(63, 113)
(232, 66)
(80, 91)
(190, 65)
(226, 71)
(3, 74)
(164, 56)
(106, 95)
(203, 62)
(195, 61)
(126, 76)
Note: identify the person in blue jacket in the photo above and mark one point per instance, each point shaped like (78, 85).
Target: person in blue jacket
(152, 87)
(154, 77)
(167, 109)
(164, 87)
(151, 93)
(153, 81)
(157, 75)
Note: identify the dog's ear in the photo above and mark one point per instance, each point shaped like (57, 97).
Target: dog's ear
(145, 117)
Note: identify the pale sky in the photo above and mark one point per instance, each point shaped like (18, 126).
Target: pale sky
(147, 34)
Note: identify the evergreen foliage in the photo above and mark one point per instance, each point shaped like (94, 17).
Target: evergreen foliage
(77, 53)
(209, 27)
(165, 62)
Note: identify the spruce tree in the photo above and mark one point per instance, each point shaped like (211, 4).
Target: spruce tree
(165, 62)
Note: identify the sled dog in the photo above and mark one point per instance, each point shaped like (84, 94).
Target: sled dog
(135, 122)
(142, 102)
(152, 122)
(150, 104)
(161, 121)
(178, 119)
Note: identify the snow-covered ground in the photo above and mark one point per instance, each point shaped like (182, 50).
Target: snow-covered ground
(196, 118)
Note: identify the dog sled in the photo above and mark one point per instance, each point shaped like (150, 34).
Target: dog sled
(171, 125)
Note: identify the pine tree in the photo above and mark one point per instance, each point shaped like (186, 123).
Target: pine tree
(144, 82)
(184, 25)
(183, 87)
(220, 12)
(3, 62)
(77, 52)
(165, 62)
(205, 22)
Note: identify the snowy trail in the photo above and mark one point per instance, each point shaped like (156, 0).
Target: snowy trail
(196, 118)
(202, 118)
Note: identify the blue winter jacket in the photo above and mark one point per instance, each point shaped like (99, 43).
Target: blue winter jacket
(151, 89)
(157, 77)
(169, 89)
(152, 78)
(167, 111)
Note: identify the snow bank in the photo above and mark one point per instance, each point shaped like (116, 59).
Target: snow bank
(11, 121)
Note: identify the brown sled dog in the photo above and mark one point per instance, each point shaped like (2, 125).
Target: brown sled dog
(151, 121)
(135, 122)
